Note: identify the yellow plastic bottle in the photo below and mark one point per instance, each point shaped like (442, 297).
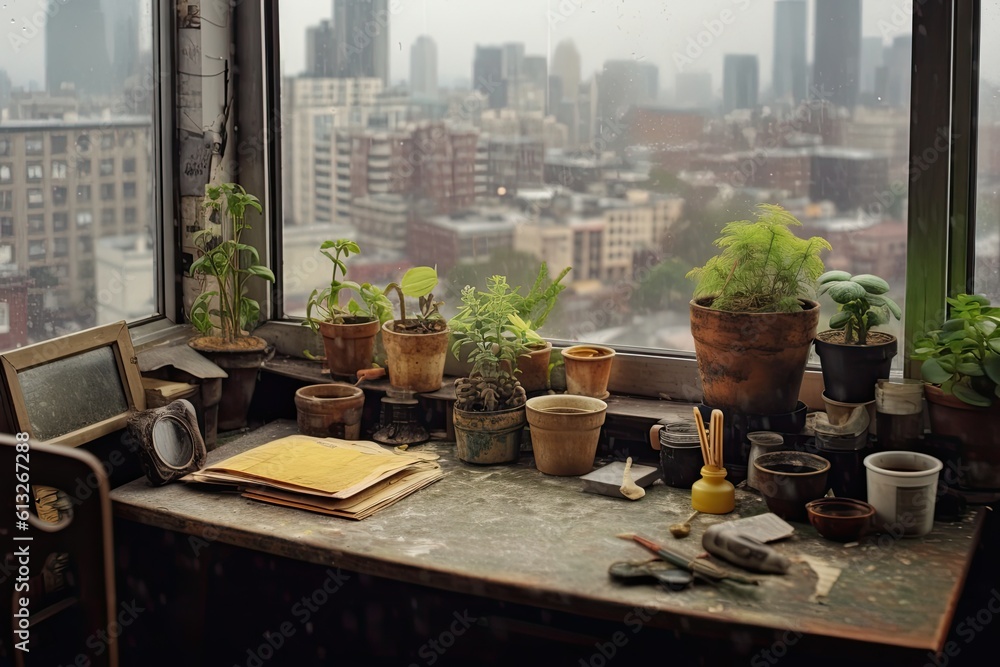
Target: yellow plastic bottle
(713, 493)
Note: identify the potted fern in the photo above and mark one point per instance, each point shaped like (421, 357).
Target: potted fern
(750, 318)
(416, 347)
(534, 308)
(853, 356)
(489, 407)
(223, 313)
(348, 331)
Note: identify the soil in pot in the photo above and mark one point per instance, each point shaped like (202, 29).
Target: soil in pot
(488, 438)
(330, 411)
(752, 362)
(588, 369)
(565, 431)
(850, 372)
(416, 353)
(241, 359)
(978, 429)
(349, 346)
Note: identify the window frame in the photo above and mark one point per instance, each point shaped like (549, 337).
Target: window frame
(937, 252)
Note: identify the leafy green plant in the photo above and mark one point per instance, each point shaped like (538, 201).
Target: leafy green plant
(489, 324)
(324, 305)
(419, 282)
(963, 356)
(231, 262)
(763, 266)
(862, 303)
(535, 306)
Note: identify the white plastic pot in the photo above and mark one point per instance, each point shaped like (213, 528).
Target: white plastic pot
(902, 487)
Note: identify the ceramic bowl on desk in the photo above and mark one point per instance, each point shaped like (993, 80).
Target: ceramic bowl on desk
(840, 519)
(789, 480)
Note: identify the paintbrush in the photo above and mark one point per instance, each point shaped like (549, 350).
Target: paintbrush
(700, 568)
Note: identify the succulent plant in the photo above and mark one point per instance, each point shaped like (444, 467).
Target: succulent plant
(862, 301)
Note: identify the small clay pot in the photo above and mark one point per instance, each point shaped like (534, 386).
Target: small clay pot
(565, 431)
(330, 411)
(534, 369)
(840, 519)
(488, 438)
(349, 347)
(588, 369)
(788, 480)
(242, 364)
(415, 360)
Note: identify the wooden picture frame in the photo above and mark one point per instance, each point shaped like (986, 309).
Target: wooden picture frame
(73, 389)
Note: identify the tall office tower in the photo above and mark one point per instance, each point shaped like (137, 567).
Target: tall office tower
(625, 83)
(424, 68)
(566, 66)
(66, 64)
(362, 38)
(513, 61)
(535, 81)
(321, 50)
(487, 75)
(898, 67)
(693, 90)
(740, 82)
(837, 57)
(789, 76)
(871, 61)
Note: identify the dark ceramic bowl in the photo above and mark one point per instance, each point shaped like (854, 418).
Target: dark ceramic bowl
(788, 480)
(840, 519)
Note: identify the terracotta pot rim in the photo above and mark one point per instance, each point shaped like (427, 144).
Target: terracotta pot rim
(537, 350)
(816, 507)
(608, 352)
(934, 394)
(483, 412)
(532, 402)
(354, 392)
(261, 347)
(388, 327)
(804, 455)
(698, 303)
(893, 341)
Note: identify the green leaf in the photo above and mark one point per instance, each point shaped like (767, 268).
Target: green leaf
(840, 320)
(970, 369)
(992, 367)
(249, 312)
(994, 344)
(419, 281)
(872, 284)
(953, 324)
(932, 372)
(846, 291)
(831, 276)
(967, 394)
(261, 272)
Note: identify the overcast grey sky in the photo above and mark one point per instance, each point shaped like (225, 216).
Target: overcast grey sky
(653, 30)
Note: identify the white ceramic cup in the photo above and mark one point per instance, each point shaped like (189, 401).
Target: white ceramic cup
(902, 487)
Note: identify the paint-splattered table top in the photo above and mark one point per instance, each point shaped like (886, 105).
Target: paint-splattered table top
(512, 533)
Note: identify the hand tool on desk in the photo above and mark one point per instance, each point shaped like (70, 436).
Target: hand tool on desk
(699, 568)
(680, 530)
(751, 554)
(669, 576)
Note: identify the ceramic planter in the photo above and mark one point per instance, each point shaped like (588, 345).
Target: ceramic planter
(415, 360)
(565, 431)
(850, 372)
(330, 410)
(789, 480)
(978, 429)
(242, 363)
(488, 438)
(534, 369)
(588, 369)
(349, 347)
(902, 487)
(752, 362)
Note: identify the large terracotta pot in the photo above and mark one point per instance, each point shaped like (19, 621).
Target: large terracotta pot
(565, 431)
(242, 363)
(488, 438)
(349, 347)
(979, 431)
(752, 363)
(415, 360)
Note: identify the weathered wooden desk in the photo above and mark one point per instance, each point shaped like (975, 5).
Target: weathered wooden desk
(511, 533)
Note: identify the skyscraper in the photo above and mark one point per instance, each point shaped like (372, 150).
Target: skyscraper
(362, 38)
(740, 82)
(321, 50)
(625, 83)
(424, 68)
(871, 61)
(488, 75)
(66, 64)
(789, 76)
(837, 57)
(566, 65)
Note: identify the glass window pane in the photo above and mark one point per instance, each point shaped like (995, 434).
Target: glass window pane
(615, 138)
(75, 103)
(988, 168)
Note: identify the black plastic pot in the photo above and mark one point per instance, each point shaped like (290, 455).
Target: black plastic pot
(850, 372)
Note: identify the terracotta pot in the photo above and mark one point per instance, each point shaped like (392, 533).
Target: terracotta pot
(588, 369)
(979, 431)
(242, 364)
(752, 362)
(850, 372)
(565, 431)
(330, 410)
(349, 347)
(488, 438)
(416, 361)
(534, 369)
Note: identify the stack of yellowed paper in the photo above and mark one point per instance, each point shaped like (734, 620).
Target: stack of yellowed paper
(339, 477)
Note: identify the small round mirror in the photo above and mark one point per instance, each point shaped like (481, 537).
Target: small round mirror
(172, 442)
